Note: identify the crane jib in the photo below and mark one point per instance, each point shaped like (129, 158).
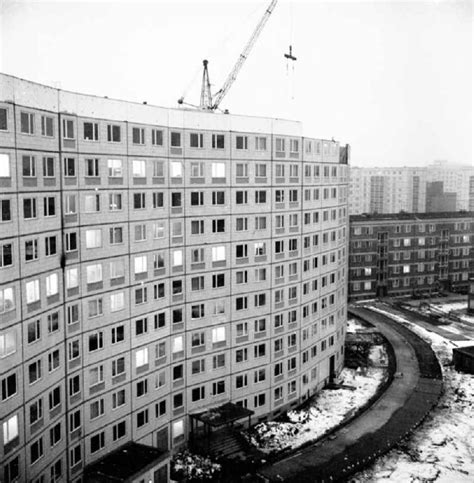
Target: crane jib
(210, 102)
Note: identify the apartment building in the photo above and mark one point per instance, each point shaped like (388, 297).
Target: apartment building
(386, 190)
(438, 200)
(156, 263)
(409, 254)
(411, 190)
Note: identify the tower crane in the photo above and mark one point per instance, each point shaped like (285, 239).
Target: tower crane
(210, 102)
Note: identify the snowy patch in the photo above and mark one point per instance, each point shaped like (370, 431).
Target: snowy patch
(467, 318)
(354, 325)
(193, 467)
(442, 449)
(329, 409)
(448, 307)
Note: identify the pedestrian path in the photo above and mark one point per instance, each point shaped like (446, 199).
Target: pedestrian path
(405, 403)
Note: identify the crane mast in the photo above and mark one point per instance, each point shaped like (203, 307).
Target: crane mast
(240, 61)
(207, 101)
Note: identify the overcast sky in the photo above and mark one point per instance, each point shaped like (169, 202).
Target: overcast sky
(393, 79)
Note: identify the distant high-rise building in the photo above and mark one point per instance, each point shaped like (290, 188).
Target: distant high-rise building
(471, 193)
(386, 190)
(393, 190)
(438, 200)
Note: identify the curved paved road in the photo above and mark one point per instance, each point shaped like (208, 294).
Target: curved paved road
(397, 412)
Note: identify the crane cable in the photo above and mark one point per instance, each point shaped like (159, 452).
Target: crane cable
(292, 79)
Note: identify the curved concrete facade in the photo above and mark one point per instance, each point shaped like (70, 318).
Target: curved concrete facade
(156, 263)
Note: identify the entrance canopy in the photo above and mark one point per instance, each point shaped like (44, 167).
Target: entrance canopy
(221, 415)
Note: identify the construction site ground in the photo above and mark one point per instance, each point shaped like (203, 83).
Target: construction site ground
(399, 410)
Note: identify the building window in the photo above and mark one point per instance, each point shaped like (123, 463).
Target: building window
(197, 170)
(259, 400)
(218, 141)
(50, 245)
(218, 388)
(69, 167)
(140, 232)
(10, 429)
(218, 280)
(241, 170)
(157, 137)
(5, 205)
(218, 171)
(118, 399)
(74, 385)
(138, 135)
(49, 206)
(32, 291)
(241, 142)
(96, 341)
(29, 208)
(241, 197)
(27, 123)
(75, 456)
(36, 450)
(97, 409)
(91, 131)
(260, 196)
(96, 375)
(119, 430)
(36, 411)
(197, 311)
(68, 129)
(3, 119)
(175, 139)
(218, 361)
(95, 307)
(218, 335)
(97, 442)
(197, 339)
(218, 226)
(141, 357)
(9, 386)
(196, 140)
(138, 168)
(294, 146)
(197, 198)
(69, 204)
(157, 199)
(4, 166)
(7, 343)
(113, 133)
(260, 222)
(6, 259)
(280, 145)
(56, 471)
(94, 238)
(52, 285)
(34, 372)
(72, 278)
(55, 434)
(29, 166)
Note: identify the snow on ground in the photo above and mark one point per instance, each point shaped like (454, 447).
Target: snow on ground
(440, 345)
(466, 318)
(447, 307)
(327, 410)
(354, 325)
(442, 449)
(455, 306)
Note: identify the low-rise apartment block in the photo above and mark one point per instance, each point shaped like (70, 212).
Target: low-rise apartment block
(409, 254)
